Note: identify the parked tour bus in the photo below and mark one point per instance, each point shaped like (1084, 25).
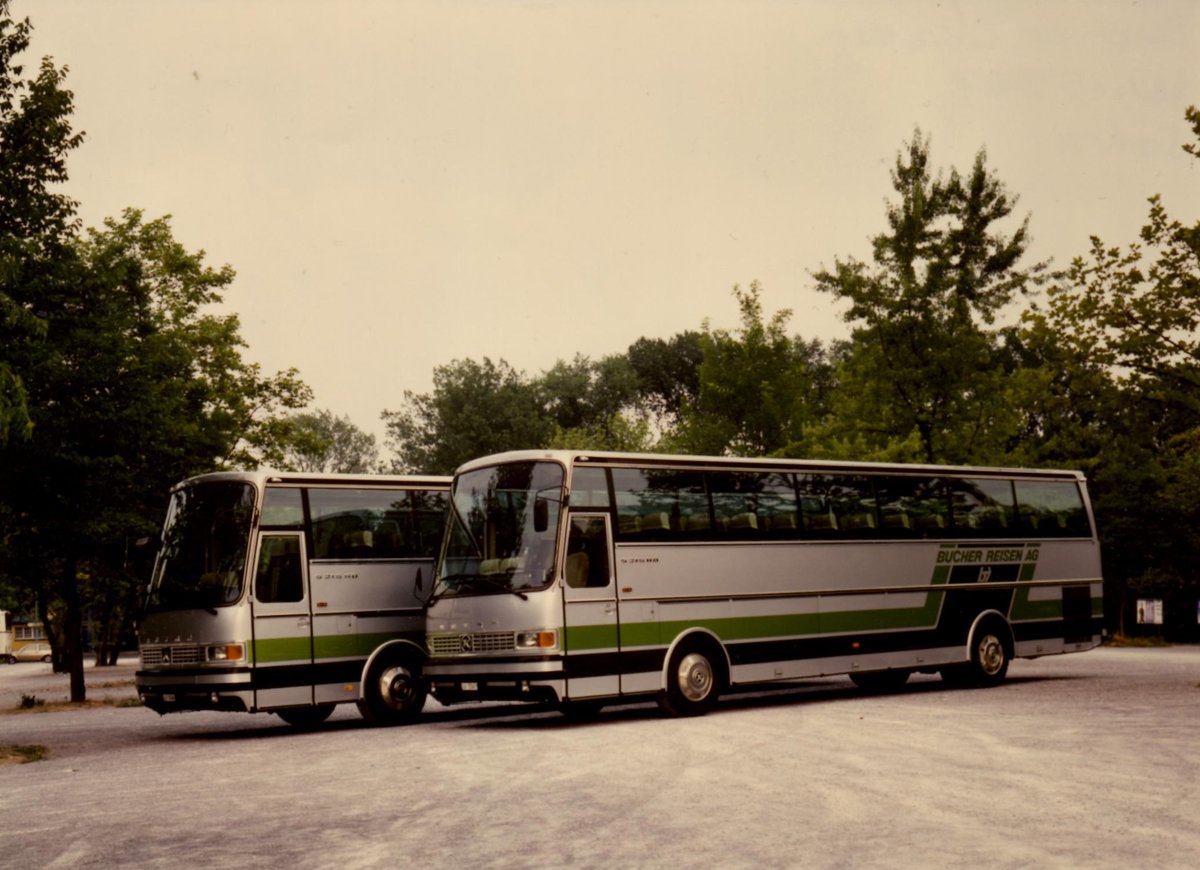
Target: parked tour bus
(292, 593)
(586, 578)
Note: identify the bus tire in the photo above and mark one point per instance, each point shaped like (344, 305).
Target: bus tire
(879, 682)
(305, 717)
(991, 652)
(694, 680)
(393, 691)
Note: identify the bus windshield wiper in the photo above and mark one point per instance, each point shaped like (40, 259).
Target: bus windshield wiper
(494, 580)
(490, 579)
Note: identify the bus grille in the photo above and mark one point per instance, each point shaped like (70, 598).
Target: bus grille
(185, 654)
(479, 642)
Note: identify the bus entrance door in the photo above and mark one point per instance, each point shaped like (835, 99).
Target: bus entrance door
(590, 617)
(283, 649)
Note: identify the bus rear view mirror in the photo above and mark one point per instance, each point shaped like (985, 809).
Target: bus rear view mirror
(541, 514)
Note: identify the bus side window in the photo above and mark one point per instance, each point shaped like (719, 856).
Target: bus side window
(587, 554)
(280, 577)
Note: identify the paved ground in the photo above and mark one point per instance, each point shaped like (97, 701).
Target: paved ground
(1076, 761)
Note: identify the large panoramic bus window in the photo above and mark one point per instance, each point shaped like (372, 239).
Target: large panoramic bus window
(983, 507)
(1051, 508)
(778, 507)
(658, 504)
(203, 554)
(912, 507)
(360, 523)
(747, 505)
(838, 505)
(501, 529)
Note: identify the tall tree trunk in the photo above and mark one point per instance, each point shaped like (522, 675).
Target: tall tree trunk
(73, 629)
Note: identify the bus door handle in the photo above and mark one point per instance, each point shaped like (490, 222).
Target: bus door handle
(302, 621)
(610, 607)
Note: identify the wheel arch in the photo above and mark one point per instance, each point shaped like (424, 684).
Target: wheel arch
(397, 645)
(700, 636)
(989, 617)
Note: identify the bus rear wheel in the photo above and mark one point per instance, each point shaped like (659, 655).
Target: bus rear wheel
(693, 682)
(305, 717)
(393, 691)
(991, 652)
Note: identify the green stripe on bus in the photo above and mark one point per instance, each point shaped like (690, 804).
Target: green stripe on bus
(596, 637)
(282, 649)
(590, 637)
(329, 646)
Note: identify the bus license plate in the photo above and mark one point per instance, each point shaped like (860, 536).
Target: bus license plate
(470, 687)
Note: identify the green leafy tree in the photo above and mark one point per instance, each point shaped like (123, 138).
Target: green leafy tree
(475, 408)
(35, 220)
(668, 375)
(756, 385)
(1118, 364)
(594, 405)
(925, 357)
(134, 387)
(323, 442)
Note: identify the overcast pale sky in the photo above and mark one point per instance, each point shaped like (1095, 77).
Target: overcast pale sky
(403, 184)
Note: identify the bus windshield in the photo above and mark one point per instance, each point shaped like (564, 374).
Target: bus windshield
(203, 556)
(500, 530)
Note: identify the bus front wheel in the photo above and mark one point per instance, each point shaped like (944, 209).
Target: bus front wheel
(393, 692)
(693, 682)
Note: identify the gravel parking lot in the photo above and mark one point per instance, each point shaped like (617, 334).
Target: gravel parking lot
(1081, 760)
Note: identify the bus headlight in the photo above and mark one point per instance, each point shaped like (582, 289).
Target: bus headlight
(226, 652)
(543, 639)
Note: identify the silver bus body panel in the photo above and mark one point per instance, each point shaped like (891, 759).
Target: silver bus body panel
(780, 609)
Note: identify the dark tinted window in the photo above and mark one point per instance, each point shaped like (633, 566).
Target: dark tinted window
(983, 507)
(912, 507)
(1051, 508)
(589, 488)
(838, 505)
(375, 523)
(283, 507)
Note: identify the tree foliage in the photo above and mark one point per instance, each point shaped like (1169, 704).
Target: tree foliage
(35, 219)
(475, 408)
(320, 441)
(756, 388)
(924, 355)
(116, 377)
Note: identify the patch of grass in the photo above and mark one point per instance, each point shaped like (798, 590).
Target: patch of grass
(41, 706)
(21, 753)
(112, 684)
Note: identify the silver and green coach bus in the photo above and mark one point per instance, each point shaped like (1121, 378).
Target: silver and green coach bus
(585, 578)
(292, 593)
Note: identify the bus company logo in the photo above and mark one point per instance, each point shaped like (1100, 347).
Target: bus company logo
(467, 643)
(166, 656)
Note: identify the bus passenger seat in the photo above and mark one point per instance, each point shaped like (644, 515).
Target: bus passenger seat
(743, 521)
(577, 570)
(656, 522)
